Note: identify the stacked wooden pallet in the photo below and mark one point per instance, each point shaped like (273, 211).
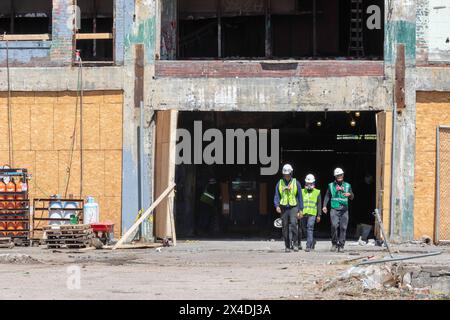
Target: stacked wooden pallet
(68, 236)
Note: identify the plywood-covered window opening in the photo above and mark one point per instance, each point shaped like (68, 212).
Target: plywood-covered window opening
(95, 36)
(25, 19)
(272, 29)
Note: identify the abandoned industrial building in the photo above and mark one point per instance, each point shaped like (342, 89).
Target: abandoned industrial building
(92, 93)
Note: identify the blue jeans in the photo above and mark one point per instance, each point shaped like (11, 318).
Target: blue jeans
(307, 224)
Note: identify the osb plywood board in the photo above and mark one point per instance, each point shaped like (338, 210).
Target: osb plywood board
(65, 119)
(433, 109)
(4, 158)
(110, 126)
(3, 128)
(166, 124)
(93, 97)
(27, 159)
(113, 97)
(46, 176)
(41, 126)
(21, 126)
(93, 173)
(22, 97)
(46, 97)
(67, 97)
(69, 173)
(91, 126)
(111, 210)
(113, 173)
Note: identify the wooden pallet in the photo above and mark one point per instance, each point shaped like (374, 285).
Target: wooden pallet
(69, 236)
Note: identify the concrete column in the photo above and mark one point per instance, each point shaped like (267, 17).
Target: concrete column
(400, 27)
(139, 28)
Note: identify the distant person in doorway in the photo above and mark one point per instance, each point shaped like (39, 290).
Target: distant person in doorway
(289, 204)
(312, 204)
(339, 192)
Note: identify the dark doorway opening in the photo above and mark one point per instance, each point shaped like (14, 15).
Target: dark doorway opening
(312, 142)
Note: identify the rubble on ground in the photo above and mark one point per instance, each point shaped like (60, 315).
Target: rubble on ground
(17, 258)
(388, 281)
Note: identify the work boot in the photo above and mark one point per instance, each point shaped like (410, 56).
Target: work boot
(287, 250)
(333, 248)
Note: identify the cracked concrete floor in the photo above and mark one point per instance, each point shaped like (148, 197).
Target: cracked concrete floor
(192, 270)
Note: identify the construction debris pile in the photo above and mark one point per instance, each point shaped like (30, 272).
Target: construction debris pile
(390, 281)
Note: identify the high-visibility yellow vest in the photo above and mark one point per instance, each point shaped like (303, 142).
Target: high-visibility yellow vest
(288, 194)
(310, 201)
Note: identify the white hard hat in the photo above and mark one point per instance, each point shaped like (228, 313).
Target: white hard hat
(310, 179)
(287, 169)
(338, 171)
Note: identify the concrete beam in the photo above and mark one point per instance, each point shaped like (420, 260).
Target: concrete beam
(432, 78)
(62, 79)
(271, 94)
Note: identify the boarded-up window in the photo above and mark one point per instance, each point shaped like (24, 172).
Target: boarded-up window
(439, 31)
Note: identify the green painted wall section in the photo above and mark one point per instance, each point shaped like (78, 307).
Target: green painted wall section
(144, 34)
(400, 32)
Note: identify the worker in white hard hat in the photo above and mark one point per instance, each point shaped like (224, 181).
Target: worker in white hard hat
(339, 192)
(312, 204)
(289, 204)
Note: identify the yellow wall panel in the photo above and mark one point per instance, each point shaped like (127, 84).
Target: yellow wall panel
(42, 126)
(21, 126)
(93, 97)
(91, 127)
(110, 125)
(22, 97)
(3, 128)
(69, 173)
(93, 173)
(111, 210)
(114, 97)
(65, 119)
(46, 177)
(433, 109)
(113, 173)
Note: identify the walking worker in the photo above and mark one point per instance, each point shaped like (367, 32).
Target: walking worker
(312, 204)
(289, 204)
(339, 192)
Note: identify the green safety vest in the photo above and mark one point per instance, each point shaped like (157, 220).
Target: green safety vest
(337, 197)
(310, 201)
(288, 196)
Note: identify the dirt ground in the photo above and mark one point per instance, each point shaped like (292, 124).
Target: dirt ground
(231, 269)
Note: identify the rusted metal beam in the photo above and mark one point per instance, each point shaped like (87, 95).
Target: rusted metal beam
(399, 86)
(139, 75)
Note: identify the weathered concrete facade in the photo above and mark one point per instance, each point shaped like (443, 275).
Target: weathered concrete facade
(233, 85)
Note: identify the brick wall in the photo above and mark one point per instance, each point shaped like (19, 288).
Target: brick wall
(422, 13)
(249, 69)
(43, 124)
(433, 109)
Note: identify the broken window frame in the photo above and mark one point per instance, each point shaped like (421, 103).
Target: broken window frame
(26, 37)
(269, 40)
(94, 36)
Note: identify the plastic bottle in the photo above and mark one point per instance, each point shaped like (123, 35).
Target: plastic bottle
(90, 211)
